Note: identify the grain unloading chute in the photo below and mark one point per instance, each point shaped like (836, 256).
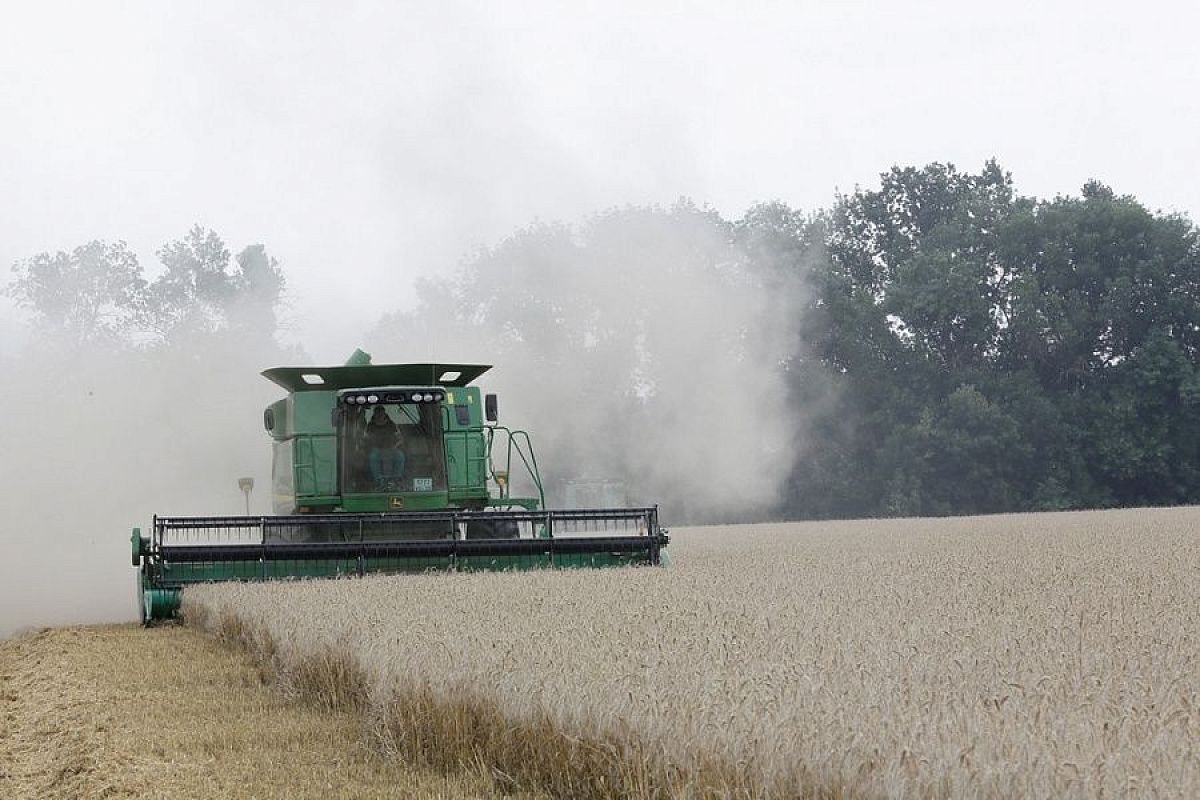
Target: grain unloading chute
(388, 468)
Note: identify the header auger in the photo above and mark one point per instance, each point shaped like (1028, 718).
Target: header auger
(388, 468)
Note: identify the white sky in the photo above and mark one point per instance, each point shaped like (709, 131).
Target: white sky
(369, 144)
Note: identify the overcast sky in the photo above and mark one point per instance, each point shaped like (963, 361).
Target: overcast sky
(369, 144)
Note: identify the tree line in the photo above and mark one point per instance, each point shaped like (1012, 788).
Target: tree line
(937, 345)
(97, 296)
(1000, 353)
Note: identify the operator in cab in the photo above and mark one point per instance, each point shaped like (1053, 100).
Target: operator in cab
(385, 459)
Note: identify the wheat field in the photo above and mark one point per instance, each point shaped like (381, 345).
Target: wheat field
(1006, 656)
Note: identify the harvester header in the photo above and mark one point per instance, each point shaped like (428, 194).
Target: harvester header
(389, 468)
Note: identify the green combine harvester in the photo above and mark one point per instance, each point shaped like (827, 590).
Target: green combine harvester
(389, 468)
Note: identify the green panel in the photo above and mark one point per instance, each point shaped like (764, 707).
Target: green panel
(203, 572)
(477, 461)
(311, 412)
(457, 462)
(166, 599)
(474, 498)
(407, 564)
(315, 467)
(283, 477)
(466, 450)
(501, 563)
(601, 559)
(468, 398)
(314, 449)
(397, 501)
(305, 568)
(191, 572)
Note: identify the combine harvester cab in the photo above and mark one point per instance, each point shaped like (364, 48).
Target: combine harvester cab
(388, 468)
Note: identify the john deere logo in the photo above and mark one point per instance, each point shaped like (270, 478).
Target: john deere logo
(397, 502)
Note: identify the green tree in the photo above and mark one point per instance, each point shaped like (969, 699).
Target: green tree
(94, 294)
(203, 290)
(1096, 275)
(260, 288)
(1106, 313)
(1142, 435)
(907, 307)
(965, 455)
(194, 291)
(1073, 322)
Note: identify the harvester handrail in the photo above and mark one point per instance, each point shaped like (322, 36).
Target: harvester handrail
(530, 461)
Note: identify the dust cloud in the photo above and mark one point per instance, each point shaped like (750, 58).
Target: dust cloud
(96, 442)
(643, 347)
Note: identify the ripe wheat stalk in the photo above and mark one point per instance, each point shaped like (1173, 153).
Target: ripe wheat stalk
(1009, 656)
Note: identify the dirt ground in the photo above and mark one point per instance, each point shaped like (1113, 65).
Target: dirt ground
(117, 711)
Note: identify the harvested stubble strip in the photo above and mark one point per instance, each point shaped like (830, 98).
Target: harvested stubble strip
(120, 711)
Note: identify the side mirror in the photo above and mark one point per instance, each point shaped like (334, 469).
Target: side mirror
(490, 411)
